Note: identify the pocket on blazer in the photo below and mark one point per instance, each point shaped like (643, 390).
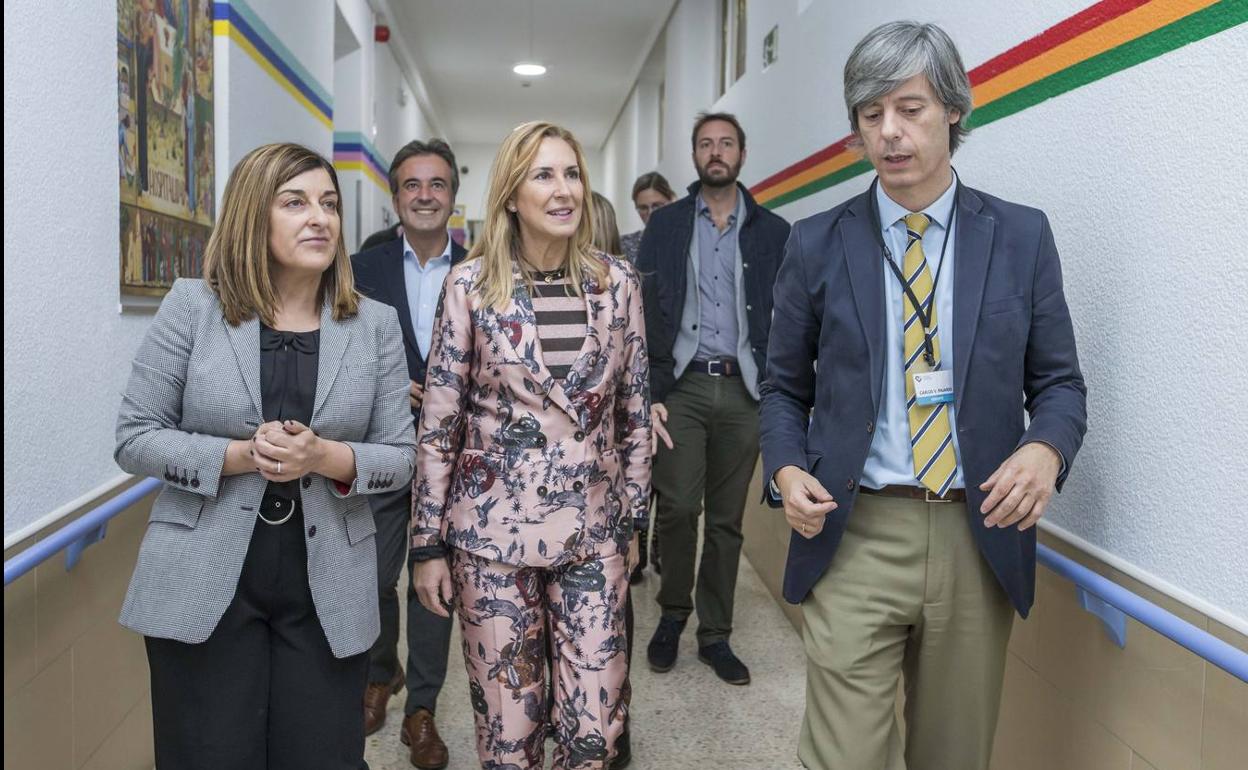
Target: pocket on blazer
(360, 523)
(1003, 305)
(175, 506)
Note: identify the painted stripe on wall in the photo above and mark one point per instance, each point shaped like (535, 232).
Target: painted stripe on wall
(235, 20)
(353, 152)
(1101, 40)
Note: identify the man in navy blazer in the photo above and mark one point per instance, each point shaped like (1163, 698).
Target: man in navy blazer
(892, 423)
(407, 273)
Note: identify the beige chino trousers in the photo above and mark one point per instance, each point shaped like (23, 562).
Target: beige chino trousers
(907, 594)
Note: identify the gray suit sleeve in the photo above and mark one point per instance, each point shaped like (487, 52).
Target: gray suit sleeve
(150, 440)
(388, 450)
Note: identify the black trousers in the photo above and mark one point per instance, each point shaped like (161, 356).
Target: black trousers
(264, 691)
(428, 635)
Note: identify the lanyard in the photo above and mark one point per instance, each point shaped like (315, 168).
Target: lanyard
(925, 318)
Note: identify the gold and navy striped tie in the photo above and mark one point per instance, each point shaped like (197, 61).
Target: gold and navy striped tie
(931, 440)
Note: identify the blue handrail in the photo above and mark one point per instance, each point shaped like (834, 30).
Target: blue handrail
(74, 532)
(1204, 644)
(1169, 625)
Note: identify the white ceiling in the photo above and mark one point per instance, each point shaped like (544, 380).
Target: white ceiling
(464, 51)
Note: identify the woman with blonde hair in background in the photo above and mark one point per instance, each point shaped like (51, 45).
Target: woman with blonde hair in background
(533, 461)
(271, 398)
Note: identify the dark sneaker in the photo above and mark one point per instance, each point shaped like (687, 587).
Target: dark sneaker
(663, 646)
(727, 666)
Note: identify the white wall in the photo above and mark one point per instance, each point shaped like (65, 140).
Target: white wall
(64, 340)
(1139, 176)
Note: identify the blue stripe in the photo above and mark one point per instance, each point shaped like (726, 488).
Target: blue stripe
(915, 441)
(282, 60)
(936, 456)
(369, 153)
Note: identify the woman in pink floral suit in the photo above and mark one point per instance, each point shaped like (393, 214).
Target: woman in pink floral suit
(533, 465)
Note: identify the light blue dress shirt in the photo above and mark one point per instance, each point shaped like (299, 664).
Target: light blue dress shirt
(424, 286)
(891, 460)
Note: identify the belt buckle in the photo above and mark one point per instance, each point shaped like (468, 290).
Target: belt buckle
(710, 368)
(928, 497)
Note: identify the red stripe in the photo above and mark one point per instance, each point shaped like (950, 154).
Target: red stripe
(1068, 29)
(830, 151)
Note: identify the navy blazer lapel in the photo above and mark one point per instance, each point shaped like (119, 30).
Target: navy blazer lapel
(245, 339)
(866, 276)
(974, 251)
(395, 284)
(334, 339)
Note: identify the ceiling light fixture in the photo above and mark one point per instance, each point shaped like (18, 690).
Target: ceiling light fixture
(529, 68)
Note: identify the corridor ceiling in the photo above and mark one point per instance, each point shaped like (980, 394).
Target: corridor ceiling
(594, 50)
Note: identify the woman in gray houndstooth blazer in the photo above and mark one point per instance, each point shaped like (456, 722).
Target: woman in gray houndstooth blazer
(271, 398)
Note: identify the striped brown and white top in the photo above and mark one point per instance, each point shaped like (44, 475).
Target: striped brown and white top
(561, 324)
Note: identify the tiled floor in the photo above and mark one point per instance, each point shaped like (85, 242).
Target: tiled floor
(686, 718)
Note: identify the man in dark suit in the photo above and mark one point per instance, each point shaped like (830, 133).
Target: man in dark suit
(384, 235)
(709, 262)
(902, 459)
(407, 273)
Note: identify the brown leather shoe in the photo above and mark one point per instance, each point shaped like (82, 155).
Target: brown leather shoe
(428, 750)
(376, 696)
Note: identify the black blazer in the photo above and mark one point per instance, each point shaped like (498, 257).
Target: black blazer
(663, 263)
(379, 275)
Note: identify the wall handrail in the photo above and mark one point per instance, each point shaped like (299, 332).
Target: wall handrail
(72, 535)
(1221, 654)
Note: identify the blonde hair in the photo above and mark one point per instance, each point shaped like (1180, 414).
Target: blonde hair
(236, 259)
(606, 231)
(499, 246)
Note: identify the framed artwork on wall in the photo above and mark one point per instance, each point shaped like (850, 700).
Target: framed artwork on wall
(164, 141)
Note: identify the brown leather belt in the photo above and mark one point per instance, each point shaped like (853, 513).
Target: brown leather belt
(917, 493)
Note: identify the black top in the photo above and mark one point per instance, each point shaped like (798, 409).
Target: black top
(288, 364)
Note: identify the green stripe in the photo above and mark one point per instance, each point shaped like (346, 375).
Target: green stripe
(1204, 23)
(1189, 29)
(822, 183)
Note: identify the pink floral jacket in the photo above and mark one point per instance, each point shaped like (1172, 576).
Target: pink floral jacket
(515, 466)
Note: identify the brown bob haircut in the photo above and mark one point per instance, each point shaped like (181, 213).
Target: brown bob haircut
(237, 260)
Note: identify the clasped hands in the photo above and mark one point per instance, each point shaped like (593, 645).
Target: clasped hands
(284, 451)
(1018, 492)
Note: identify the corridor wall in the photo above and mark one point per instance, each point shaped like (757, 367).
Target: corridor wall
(1126, 149)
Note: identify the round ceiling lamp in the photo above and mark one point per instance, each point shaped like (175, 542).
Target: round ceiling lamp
(529, 70)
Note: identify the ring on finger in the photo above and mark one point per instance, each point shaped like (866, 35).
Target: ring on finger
(279, 466)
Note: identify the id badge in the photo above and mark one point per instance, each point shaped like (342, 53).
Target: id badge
(933, 387)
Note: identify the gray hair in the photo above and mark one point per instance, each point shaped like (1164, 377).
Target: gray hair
(893, 53)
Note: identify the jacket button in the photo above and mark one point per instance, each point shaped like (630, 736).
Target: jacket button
(579, 435)
(749, 307)
(745, 265)
(312, 531)
(307, 481)
(870, 426)
(850, 485)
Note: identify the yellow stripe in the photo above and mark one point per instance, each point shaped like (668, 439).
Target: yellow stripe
(1123, 29)
(829, 166)
(364, 168)
(224, 28)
